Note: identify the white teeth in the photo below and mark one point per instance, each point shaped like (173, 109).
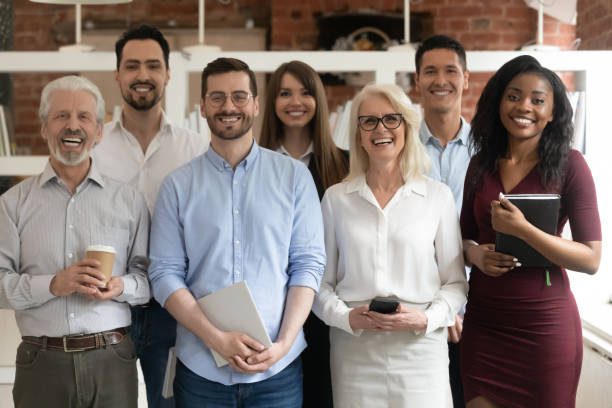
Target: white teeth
(523, 121)
(441, 93)
(73, 141)
(142, 89)
(230, 119)
(382, 141)
(296, 113)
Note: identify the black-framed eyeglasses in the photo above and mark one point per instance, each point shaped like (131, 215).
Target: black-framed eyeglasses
(218, 99)
(390, 121)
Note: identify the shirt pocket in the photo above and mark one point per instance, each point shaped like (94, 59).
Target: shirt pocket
(116, 237)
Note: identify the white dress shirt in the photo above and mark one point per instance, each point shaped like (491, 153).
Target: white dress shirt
(120, 156)
(410, 250)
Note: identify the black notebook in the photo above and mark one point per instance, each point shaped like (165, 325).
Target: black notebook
(542, 210)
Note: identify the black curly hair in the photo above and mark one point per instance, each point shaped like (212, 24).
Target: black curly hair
(490, 138)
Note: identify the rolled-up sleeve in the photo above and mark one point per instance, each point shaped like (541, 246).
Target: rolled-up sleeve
(306, 250)
(168, 255)
(136, 288)
(18, 291)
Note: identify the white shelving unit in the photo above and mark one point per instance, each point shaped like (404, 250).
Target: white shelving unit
(589, 67)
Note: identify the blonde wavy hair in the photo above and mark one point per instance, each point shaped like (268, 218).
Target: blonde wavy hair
(414, 161)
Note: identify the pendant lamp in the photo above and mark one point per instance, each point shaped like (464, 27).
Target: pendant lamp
(201, 47)
(407, 45)
(78, 46)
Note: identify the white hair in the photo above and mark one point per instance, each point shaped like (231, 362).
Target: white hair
(70, 83)
(414, 160)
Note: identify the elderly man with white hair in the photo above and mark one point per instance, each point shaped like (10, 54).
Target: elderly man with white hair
(75, 350)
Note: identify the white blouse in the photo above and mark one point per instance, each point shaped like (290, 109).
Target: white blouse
(411, 250)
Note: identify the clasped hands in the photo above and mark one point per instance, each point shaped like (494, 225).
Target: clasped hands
(84, 277)
(245, 354)
(405, 318)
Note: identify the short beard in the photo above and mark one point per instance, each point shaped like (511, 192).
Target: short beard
(70, 158)
(141, 104)
(230, 134)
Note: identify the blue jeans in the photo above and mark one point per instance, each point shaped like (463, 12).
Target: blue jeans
(283, 390)
(153, 333)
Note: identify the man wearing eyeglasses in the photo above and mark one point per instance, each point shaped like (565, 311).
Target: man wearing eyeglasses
(441, 78)
(140, 147)
(237, 213)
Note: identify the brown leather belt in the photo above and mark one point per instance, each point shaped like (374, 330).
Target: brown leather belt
(83, 342)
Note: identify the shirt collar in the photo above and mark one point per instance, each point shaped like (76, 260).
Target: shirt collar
(164, 125)
(220, 164)
(309, 151)
(462, 136)
(50, 174)
(417, 186)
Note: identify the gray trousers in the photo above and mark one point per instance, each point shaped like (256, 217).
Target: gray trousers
(100, 378)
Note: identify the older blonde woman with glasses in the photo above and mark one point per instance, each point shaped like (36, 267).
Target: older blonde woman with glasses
(391, 234)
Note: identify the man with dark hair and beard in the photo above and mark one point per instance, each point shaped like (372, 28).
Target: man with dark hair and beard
(140, 148)
(237, 213)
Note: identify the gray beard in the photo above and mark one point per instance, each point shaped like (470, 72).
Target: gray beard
(69, 158)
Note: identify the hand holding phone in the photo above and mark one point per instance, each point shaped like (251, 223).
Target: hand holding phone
(383, 305)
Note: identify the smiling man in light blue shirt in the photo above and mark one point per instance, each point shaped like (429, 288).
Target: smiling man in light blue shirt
(441, 78)
(238, 212)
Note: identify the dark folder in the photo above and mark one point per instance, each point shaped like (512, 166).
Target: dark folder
(541, 210)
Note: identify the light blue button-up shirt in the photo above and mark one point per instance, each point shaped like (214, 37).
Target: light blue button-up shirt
(215, 226)
(449, 164)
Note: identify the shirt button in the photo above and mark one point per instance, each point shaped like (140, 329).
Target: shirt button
(235, 182)
(70, 255)
(236, 211)
(237, 242)
(72, 200)
(71, 226)
(72, 315)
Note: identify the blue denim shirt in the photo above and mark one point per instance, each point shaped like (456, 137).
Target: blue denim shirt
(449, 164)
(214, 226)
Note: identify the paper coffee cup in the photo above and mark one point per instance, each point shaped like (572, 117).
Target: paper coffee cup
(106, 255)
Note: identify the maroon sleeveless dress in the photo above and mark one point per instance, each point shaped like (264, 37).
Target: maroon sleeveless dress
(522, 340)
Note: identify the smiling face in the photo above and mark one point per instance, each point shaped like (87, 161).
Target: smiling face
(142, 75)
(526, 106)
(229, 121)
(294, 105)
(381, 144)
(441, 81)
(71, 129)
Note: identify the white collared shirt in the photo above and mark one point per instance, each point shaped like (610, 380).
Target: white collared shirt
(410, 250)
(120, 156)
(304, 158)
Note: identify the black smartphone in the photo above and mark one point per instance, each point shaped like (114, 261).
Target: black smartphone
(383, 305)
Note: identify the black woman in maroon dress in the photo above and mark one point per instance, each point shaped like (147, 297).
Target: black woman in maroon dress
(522, 338)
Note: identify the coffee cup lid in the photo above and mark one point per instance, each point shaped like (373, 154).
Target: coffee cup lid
(101, 248)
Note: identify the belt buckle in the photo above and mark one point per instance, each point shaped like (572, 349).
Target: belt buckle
(66, 350)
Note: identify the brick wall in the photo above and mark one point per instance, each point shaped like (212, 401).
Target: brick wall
(594, 24)
(46, 27)
(478, 24)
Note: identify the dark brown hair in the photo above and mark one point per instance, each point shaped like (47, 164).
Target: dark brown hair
(224, 65)
(329, 160)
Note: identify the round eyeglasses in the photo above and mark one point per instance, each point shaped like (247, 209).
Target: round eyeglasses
(389, 121)
(218, 99)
